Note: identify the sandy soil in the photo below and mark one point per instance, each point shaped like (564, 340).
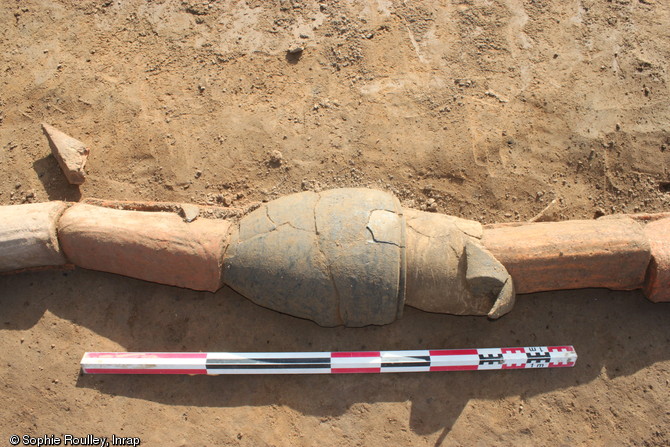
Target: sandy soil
(493, 109)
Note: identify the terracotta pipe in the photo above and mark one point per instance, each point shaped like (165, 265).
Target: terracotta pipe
(347, 256)
(575, 254)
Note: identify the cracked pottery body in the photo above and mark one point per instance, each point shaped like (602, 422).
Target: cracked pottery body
(349, 256)
(335, 257)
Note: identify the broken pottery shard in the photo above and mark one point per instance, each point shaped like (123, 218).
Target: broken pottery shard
(70, 153)
(189, 212)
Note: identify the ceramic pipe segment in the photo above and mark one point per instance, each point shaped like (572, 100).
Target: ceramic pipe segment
(349, 257)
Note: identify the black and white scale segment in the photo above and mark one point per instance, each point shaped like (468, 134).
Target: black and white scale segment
(327, 362)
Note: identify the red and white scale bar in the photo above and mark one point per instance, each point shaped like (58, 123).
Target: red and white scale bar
(214, 363)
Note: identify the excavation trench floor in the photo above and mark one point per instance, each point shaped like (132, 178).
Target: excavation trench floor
(488, 110)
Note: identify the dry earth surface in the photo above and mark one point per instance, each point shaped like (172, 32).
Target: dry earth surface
(485, 109)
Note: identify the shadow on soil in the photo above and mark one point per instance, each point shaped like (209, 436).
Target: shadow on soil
(617, 331)
(55, 183)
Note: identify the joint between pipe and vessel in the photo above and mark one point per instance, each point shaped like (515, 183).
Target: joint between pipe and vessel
(348, 256)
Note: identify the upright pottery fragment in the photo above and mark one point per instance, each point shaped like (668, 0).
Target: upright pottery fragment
(70, 153)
